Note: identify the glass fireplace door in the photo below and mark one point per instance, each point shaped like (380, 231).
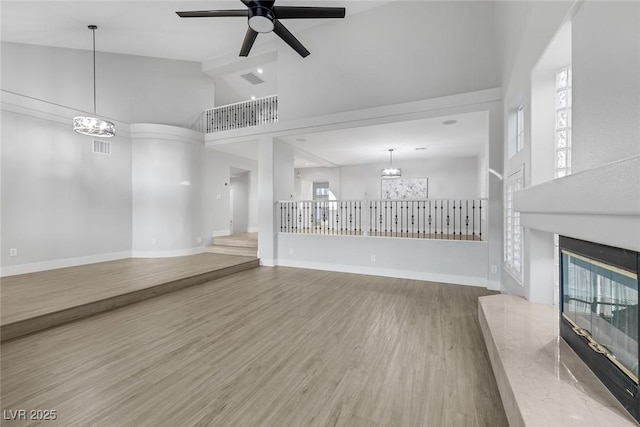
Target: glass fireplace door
(601, 302)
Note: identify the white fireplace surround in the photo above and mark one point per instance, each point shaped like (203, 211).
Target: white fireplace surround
(599, 205)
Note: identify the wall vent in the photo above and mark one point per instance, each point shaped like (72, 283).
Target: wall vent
(101, 147)
(252, 78)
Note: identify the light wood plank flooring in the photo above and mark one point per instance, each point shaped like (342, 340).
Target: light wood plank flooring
(266, 347)
(34, 294)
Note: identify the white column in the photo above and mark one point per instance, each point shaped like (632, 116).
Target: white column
(276, 182)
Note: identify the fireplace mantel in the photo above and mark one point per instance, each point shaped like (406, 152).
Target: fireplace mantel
(600, 205)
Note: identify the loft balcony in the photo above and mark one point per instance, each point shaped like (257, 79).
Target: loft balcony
(240, 115)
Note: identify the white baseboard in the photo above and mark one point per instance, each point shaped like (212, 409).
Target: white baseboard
(167, 254)
(386, 272)
(13, 270)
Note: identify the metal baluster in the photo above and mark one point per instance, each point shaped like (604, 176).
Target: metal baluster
(473, 219)
(441, 219)
(454, 220)
(429, 218)
(460, 209)
(359, 221)
(480, 217)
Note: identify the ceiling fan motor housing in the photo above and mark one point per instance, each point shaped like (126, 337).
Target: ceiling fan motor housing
(261, 19)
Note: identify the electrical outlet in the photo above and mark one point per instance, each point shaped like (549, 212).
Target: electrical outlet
(290, 251)
(373, 258)
(199, 239)
(494, 269)
(218, 197)
(154, 241)
(13, 252)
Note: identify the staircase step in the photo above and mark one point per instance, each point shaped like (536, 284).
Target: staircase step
(245, 241)
(232, 250)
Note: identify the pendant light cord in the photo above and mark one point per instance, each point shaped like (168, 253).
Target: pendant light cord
(93, 30)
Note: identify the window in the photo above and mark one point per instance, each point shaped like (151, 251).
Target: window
(515, 131)
(520, 129)
(513, 246)
(562, 153)
(563, 123)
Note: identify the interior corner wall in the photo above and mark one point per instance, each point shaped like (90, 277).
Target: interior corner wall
(132, 89)
(538, 23)
(423, 50)
(606, 83)
(60, 200)
(449, 178)
(219, 164)
(240, 203)
(168, 184)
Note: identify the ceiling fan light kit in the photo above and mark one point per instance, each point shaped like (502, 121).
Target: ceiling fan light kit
(264, 17)
(88, 125)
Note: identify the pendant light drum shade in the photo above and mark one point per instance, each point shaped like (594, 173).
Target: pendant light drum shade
(88, 125)
(94, 126)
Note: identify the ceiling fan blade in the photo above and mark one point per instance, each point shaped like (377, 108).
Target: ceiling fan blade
(213, 13)
(285, 35)
(295, 12)
(263, 3)
(249, 38)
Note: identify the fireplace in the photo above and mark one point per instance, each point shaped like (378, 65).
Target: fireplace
(599, 314)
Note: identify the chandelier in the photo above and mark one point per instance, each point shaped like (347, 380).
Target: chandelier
(391, 172)
(89, 125)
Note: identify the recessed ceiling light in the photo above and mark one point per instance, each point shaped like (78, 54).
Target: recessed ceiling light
(253, 97)
(449, 122)
(259, 70)
(421, 148)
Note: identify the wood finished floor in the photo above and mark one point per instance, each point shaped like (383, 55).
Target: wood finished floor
(266, 347)
(28, 295)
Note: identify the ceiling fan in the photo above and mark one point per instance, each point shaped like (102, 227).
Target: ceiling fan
(264, 17)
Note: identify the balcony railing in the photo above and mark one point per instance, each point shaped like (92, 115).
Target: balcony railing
(240, 115)
(451, 219)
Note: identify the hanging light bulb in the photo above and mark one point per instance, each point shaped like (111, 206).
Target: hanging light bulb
(88, 125)
(391, 172)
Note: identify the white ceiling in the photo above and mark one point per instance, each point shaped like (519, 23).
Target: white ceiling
(371, 144)
(151, 28)
(146, 28)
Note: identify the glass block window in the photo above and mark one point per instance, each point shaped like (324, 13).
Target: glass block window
(520, 128)
(513, 235)
(562, 153)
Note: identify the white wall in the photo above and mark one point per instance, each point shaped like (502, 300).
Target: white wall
(400, 52)
(599, 201)
(240, 203)
(59, 199)
(606, 83)
(219, 172)
(445, 261)
(449, 178)
(133, 89)
(523, 32)
(168, 182)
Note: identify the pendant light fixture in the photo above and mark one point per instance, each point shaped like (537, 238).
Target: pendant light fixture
(94, 126)
(391, 172)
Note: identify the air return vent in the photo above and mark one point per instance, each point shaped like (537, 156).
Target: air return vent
(252, 78)
(101, 147)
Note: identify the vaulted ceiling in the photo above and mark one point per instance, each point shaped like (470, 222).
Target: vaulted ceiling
(151, 28)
